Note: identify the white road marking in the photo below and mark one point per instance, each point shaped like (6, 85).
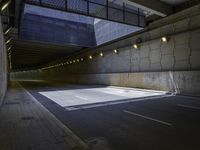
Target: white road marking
(81, 97)
(149, 118)
(186, 106)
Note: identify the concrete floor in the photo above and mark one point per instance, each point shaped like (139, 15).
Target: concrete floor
(127, 119)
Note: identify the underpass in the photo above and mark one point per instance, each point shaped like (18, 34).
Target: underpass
(99, 75)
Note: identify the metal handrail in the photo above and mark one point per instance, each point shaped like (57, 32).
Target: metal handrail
(86, 10)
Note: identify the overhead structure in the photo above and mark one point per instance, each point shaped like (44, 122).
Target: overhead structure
(112, 10)
(156, 7)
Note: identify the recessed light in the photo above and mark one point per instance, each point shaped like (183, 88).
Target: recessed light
(115, 51)
(4, 6)
(90, 57)
(101, 54)
(7, 31)
(8, 41)
(136, 46)
(165, 39)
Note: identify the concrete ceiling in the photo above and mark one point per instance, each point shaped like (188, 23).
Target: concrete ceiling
(174, 2)
(156, 7)
(26, 54)
(30, 54)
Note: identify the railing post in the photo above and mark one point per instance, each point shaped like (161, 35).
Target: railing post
(66, 5)
(138, 17)
(107, 14)
(124, 15)
(88, 8)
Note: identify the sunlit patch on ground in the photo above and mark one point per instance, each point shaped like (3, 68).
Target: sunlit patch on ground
(94, 97)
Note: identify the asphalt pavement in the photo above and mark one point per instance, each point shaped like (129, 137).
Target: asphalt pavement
(126, 118)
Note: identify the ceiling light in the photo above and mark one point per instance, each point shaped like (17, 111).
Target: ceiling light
(9, 48)
(81, 59)
(4, 6)
(165, 39)
(7, 31)
(90, 57)
(115, 51)
(77, 60)
(136, 46)
(101, 54)
(8, 41)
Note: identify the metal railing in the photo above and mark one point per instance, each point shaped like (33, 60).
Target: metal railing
(103, 9)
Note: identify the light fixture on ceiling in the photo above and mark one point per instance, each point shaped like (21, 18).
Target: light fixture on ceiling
(165, 39)
(136, 46)
(7, 31)
(90, 57)
(115, 51)
(8, 41)
(101, 54)
(9, 48)
(5, 6)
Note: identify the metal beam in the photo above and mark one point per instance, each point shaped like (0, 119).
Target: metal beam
(154, 6)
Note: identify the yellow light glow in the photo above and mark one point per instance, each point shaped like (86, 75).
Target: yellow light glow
(135, 46)
(77, 60)
(8, 41)
(101, 54)
(9, 48)
(4, 6)
(90, 57)
(81, 59)
(115, 51)
(164, 39)
(7, 31)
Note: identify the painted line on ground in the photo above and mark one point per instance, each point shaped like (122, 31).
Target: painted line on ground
(187, 106)
(148, 118)
(81, 97)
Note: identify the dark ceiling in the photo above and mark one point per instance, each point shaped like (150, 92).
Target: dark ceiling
(26, 54)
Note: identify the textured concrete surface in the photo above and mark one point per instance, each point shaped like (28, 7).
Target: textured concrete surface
(3, 65)
(172, 66)
(179, 82)
(167, 123)
(106, 31)
(27, 125)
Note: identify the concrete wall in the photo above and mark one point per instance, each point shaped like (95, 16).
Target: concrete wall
(3, 65)
(172, 66)
(106, 31)
(180, 82)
